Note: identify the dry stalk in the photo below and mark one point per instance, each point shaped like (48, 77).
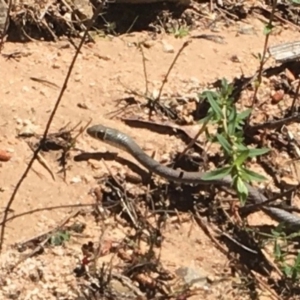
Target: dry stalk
(165, 80)
(263, 58)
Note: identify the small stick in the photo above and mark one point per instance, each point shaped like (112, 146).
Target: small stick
(144, 68)
(185, 44)
(44, 81)
(43, 162)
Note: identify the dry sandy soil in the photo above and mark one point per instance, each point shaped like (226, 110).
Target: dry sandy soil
(102, 74)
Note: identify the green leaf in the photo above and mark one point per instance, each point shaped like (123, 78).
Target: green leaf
(224, 143)
(214, 104)
(239, 138)
(252, 176)
(275, 233)
(217, 174)
(295, 274)
(213, 94)
(268, 29)
(297, 262)
(231, 112)
(226, 88)
(277, 251)
(240, 119)
(224, 83)
(241, 187)
(59, 238)
(242, 190)
(241, 147)
(231, 129)
(207, 118)
(245, 175)
(242, 198)
(287, 270)
(232, 121)
(241, 158)
(245, 114)
(257, 152)
(278, 231)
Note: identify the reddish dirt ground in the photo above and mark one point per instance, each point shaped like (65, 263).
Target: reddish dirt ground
(101, 75)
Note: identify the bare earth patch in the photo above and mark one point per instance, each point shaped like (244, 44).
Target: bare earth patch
(104, 72)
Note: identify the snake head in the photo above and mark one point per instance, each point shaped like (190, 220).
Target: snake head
(97, 132)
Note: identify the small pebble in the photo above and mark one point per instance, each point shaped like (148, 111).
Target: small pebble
(167, 48)
(75, 180)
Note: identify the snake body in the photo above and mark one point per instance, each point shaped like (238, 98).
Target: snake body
(122, 141)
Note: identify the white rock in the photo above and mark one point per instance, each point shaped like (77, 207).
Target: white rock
(168, 48)
(75, 180)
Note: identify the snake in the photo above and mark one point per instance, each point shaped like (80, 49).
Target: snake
(124, 142)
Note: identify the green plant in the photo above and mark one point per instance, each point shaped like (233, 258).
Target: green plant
(179, 31)
(59, 238)
(229, 122)
(281, 241)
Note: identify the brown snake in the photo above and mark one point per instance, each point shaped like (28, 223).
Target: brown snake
(122, 141)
